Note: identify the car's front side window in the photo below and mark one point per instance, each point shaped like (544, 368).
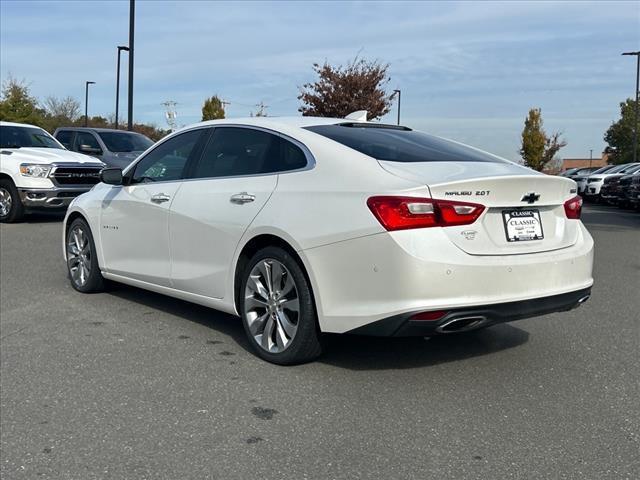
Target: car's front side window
(85, 139)
(167, 161)
(65, 137)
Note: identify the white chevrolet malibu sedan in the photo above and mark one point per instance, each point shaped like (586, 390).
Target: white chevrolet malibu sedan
(308, 225)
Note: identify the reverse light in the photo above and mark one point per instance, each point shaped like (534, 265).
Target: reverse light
(573, 208)
(34, 170)
(402, 213)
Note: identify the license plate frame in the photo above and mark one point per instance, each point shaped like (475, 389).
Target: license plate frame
(528, 229)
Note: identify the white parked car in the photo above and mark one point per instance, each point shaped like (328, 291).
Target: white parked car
(596, 179)
(309, 225)
(36, 171)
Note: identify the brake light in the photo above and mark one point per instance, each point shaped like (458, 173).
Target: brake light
(573, 208)
(402, 213)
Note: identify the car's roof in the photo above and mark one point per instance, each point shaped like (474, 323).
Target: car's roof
(275, 122)
(13, 124)
(87, 129)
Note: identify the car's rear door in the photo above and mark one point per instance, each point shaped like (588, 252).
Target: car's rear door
(227, 188)
(134, 219)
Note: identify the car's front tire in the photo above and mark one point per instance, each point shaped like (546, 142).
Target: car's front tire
(82, 260)
(11, 208)
(277, 308)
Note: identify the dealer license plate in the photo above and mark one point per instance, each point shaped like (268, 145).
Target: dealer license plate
(522, 225)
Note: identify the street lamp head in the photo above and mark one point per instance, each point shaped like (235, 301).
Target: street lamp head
(632, 53)
(90, 83)
(122, 47)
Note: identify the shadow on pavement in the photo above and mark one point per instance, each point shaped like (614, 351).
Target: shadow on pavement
(348, 351)
(214, 319)
(379, 353)
(44, 217)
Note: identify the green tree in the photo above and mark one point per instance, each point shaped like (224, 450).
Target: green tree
(619, 135)
(538, 149)
(17, 104)
(340, 90)
(212, 109)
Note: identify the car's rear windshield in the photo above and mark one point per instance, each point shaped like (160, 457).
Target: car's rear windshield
(125, 141)
(400, 144)
(26, 137)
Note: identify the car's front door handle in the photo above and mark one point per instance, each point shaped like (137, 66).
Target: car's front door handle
(160, 198)
(243, 197)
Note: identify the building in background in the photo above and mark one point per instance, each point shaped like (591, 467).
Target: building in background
(568, 163)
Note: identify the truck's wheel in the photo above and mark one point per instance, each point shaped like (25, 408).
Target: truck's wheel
(11, 208)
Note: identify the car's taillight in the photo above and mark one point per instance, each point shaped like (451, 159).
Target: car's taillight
(573, 208)
(401, 213)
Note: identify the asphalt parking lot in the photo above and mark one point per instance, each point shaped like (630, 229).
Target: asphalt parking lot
(133, 385)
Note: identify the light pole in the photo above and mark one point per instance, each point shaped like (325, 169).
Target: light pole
(635, 123)
(86, 102)
(120, 49)
(132, 15)
(590, 157)
(398, 93)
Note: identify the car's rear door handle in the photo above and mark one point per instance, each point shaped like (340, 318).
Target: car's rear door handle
(243, 197)
(160, 198)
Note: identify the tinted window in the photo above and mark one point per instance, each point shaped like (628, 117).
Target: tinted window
(166, 162)
(86, 138)
(64, 138)
(125, 141)
(24, 137)
(292, 156)
(399, 144)
(604, 169)
(235, 151)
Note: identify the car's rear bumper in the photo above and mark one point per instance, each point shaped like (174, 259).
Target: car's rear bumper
(49, 197)
(471, 318)
(364, 280)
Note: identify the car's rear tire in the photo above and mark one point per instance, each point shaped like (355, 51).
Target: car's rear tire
(82, 260)
(277, 308)
(11, 208)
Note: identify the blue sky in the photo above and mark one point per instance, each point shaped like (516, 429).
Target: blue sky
(468, 71)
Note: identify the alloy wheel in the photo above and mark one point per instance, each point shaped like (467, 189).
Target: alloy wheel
(6, 201)
(79, 255)
(271, 305)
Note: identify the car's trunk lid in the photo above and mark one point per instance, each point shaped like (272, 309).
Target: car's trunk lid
(502, 188)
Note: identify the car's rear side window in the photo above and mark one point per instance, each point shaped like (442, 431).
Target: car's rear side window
(399, 144)
(238, 151)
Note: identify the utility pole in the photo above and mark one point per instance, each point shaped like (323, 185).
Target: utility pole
(132, 17)
(261, 109)
(86, 102)
(120, 49)
(398, 92)
(635, 122)
(590, 157)
(171, 114)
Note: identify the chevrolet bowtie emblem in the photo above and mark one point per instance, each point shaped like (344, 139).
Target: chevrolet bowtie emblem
(531, 197)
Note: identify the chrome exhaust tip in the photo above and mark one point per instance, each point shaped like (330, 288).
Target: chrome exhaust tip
(461, 324)
(584, 299)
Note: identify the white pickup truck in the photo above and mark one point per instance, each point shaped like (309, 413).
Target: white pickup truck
(36, 171)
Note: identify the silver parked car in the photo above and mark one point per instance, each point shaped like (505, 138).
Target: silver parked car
(116, 148)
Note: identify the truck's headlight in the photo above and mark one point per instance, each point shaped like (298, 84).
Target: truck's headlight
(38, 171)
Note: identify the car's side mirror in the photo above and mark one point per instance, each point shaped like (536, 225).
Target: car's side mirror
(88, 149)
(111, 176)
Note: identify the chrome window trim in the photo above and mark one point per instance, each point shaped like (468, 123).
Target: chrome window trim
(311, 160)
